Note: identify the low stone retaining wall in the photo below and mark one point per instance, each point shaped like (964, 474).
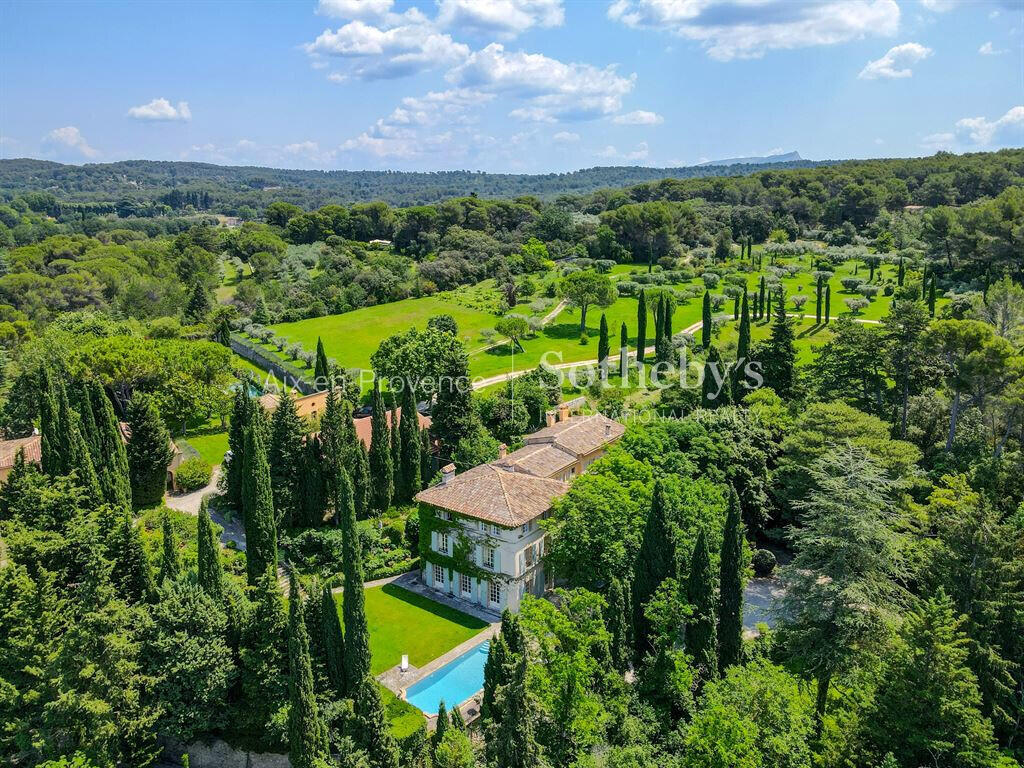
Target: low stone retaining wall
(255, 356)
(219, 754)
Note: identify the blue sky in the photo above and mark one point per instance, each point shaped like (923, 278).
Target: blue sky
(507, 85)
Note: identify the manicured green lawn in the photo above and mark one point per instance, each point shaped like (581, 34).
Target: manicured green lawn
(212, 445)
(402, 622)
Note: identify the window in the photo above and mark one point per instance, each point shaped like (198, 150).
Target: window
(438, 576)
(488, 557)
(444, 514)
(524, 529)
(531, 556)
(466, 584)
(442, 543)
(494, 592)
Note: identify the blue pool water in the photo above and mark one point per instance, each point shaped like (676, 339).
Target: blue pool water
(455, 682)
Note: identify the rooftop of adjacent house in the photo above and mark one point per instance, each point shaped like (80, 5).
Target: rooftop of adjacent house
(364, 426)
(577, 435)
(489, 492)
(542, 460)
(32, 445)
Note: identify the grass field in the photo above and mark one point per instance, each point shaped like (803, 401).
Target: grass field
(402, 622)
(211, 445)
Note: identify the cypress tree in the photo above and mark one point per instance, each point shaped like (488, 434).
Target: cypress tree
(623, 352)
(357, 639)
(333, 643)
(513, 740)
(199, 304)
(931, 297)
(780, 354)
(398, 482)
(208, 565)
(170, 557)
(655, 562)
(149, 451)
(307, 734)
(409, 442)
(314, 504)
(285, 455)
(617, 624)
(828, 302)
(494, 676)
(669, 310)
(381, 470)
(426, 458)
(457, 720)
(736, 306)
(82, 405)
(322, 369)
(701, 642)
(768, 303)
(241, 417)
(641, 326)
(901, 273)
(78, 452)
(113, 468)
(603, 344)
(53, 437)
(258, 508)
(441, 727)
(361, 481)
(374, 727)
(743, 344)
(131, 573)
(817, 301)
(263, 652)
(658, 317)
(760, 299)
(730, 588)
(706, 321)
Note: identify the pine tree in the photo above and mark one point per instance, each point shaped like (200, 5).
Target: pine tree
(409, 443)
(713, 393)
(441, 728)
(779, 361)
(314, 504)
(113, 468)
(828, 302)
(398, 481)
(131, 572)
(209, 570)
(170, 557)
(730, 588)
(285, 455)
(199, 304)
(374, 727)
(701, 641)
(603, 344)
(333, 642)
(705, 337)
(641, 327)
(322, 369)
(381, 470)
(357, 639)
(513, 740)
(616, 623)
(307, 734)
(149, 451)
(623, 352)
(258, 508)
(655, 562)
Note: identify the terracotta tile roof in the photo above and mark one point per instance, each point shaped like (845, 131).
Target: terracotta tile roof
(269, 401)
(496, 495)
(364, 426)
(540, 460)
(32, 446)
(579, 435)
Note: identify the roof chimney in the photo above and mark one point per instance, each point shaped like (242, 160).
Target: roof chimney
(502, 451)
(447, 473)
(607, 429)
(549, 418)
(563, 412)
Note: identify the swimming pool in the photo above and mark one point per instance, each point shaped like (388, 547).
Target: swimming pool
(455, 682)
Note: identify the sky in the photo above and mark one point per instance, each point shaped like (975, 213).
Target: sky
(519, 86)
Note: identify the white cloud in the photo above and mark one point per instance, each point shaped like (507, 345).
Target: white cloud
(532, 115)
(987, 49)
(504, 18)
(354, 9)
(161, 109)
(896, 62)
(1008, 128)
(640, 152)
(639, 117)
(938, 6)
(566, 137)
(551, 87)
(70, 137)
(403, 46)
(741, 30)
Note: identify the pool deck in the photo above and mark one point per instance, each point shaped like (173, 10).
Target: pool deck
(398, 681)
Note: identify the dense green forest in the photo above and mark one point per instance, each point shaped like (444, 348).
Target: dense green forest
(871, 474)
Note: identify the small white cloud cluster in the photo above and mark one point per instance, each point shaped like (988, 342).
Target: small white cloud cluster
(896, 62)
(980, 133)
(69, 138)
(161, 110)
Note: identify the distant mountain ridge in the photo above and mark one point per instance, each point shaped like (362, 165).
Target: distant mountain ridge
(149, 179)
(788, 157)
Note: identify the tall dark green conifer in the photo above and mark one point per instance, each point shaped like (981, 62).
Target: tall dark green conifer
(81, 402)
(113, 468)
(333, 641)
(322, 369)
(513, 741)
(616, 622)
(374, 728)
(241, 416)
(742, 351)
(409, 442)
(427, 470)
(828, 302)
(494, 676)
(170, 557)
(285, 455)
(398, 481)
(603, 344)
(361, 482)
(730, 588)
(258, 508)
(131, 574)
(263, 653)
(307, 733)
(381, 470)
(817, 300)
(209, 570)
(623, 352)
(641, 327)
(314, 503)
(443, 723)
(357, 640)
(701, 638)
(149, 451)
(199, 304)
(54, 436)
(779, 361)
(760, 299)
(705, 335)
(931, 296)
(655, 562)
(901, 273)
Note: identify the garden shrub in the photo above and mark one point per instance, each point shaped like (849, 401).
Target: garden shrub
(764, 563)
(193, 474)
